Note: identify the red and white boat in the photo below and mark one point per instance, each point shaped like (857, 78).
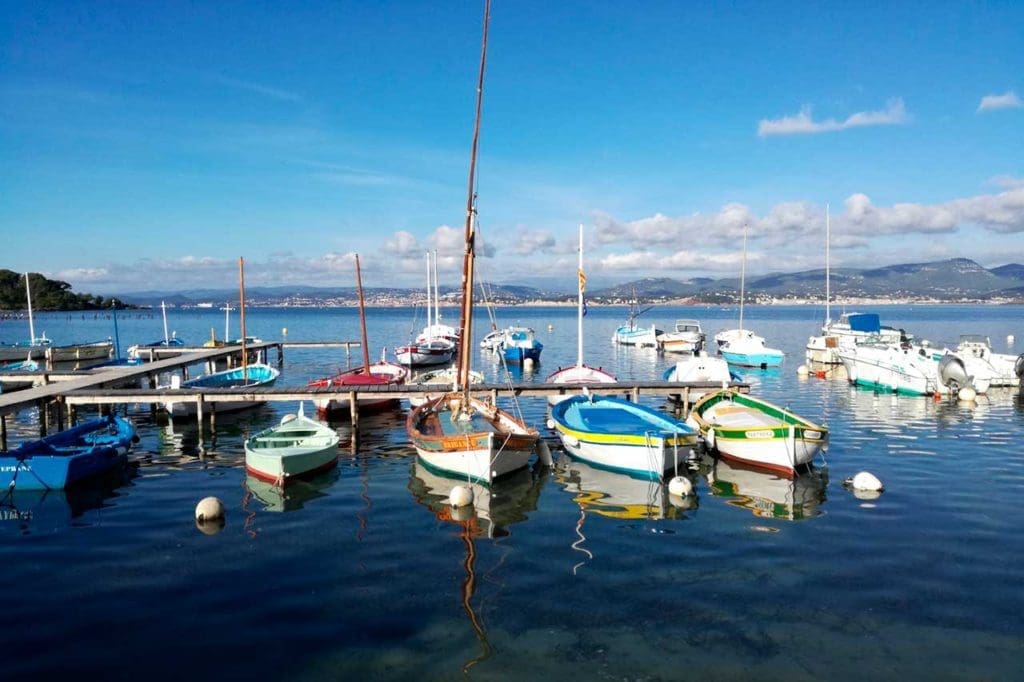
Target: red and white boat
(378, 374)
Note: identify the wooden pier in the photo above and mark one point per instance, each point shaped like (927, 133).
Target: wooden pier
(109, 386)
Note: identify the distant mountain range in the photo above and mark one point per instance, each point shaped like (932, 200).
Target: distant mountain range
(957, 279)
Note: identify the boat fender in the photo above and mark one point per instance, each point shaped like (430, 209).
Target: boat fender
(709, 439)
(681, 486)
(460, 496)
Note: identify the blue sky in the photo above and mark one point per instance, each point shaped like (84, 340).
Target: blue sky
(147, 146)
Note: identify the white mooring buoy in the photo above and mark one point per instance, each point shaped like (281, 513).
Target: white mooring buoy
(865, 485)
(210, 515)
(681, 486)
(966, 395)
(460, 496)
(802, 371)
(528, 364)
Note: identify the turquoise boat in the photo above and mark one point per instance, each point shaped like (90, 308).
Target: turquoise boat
(619, 435)
(250, 377)
(55, 462)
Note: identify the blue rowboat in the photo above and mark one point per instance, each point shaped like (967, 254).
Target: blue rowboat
(254, 376)
(519, 345)
(619, 435)
(55, 462)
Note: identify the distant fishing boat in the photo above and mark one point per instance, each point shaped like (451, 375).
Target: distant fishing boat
(248, 376)
(378, 374)
(700, 367)
(755, 431)
(432, 346)
(519, 344)
(622, 436)
(458, 434)
(34, 347)
(686, 337)
(579, 373)
(631, 334)
(913, 369)
(1002, 364)
(68, 457)
(169, 341)
(93, 350)
(444, 379)
(741, 346)
(297, 447)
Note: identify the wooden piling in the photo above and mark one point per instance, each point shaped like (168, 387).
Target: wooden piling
(199, 420)
(353, 408)
(44, 418)
(3, 432)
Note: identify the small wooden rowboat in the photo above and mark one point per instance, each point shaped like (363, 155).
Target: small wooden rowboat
(298, 446)
(55, 462)
(748, 429)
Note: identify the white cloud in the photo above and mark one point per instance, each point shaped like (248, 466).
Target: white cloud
(402, 244)
(1007, 100)
(804, 124)
(533, 242)
(1007, 181)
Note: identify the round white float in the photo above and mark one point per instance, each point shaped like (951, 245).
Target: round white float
(528, 364)
(460, 496)
(209, 509)
(681, 486)
(865, 480)
(966, 394)
(802, 371)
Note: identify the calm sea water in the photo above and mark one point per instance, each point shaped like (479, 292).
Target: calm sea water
(575, 573)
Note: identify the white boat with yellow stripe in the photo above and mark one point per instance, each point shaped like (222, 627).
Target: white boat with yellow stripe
(619, 435)
(747, 429)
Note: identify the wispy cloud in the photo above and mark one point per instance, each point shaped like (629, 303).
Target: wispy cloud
(1007, 100)
(803, 123)
(259, 89)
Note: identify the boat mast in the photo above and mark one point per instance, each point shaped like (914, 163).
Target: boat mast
(430, 328)
(828, 261)
(31, 322)
(163, 311)
(579, 306)
(362, 318)
(466, 321)
(743, 273)
(241, 318)
(437, 294)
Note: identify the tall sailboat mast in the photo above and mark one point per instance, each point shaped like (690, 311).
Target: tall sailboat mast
(437, 294)
(241, 318)
(828, 262)
(466, 321)
(163, 313)
(743, 274)
(362, 318)
(579, 305)
(31, 322)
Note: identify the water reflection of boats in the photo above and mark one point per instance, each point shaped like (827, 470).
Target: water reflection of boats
(294, 496)
(767, 494)
(32, 512)
(506, 501)
(616, 495)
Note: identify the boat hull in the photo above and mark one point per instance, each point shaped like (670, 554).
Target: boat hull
(643, 338)
(577, 374)
(517, 355)
(381, 374)
(756, 432)
(71, 456)
(492, 445)
(255, 376)
(621, 436)
(299, 447)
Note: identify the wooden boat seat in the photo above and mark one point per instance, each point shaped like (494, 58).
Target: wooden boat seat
(740, 416)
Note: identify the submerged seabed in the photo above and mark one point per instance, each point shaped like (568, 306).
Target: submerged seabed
(571, 572)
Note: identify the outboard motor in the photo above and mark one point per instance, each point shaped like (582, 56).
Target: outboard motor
(952, 372)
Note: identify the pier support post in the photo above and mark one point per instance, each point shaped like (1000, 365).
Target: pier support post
(72, 415)
(3, 432)
(280, 355)
(44, 418)
(494, 397)
(199, 420)
(635, 396)
(58, 407)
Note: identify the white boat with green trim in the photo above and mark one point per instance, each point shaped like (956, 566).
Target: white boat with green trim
(298, 446)
(748, 429)
(619, 435)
